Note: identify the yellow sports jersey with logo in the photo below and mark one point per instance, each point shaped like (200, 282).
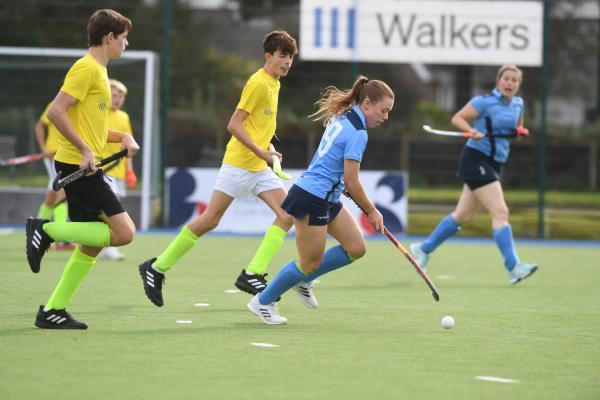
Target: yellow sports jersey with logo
(259, 100)
(87, 81)
(51, 144)
(118, 121)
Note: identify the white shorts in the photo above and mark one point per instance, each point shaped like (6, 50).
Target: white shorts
(116, 185)
(239, 182)
(49, 164)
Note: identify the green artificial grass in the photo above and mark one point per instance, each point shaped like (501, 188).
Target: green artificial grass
(376, 334)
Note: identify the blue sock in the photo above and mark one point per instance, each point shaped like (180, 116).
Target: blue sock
(505, 242)
(445, 229)
(289, 276)
(286, 278)
(335, 257)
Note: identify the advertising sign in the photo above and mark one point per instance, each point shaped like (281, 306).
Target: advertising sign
(189, 191)
(429, 32)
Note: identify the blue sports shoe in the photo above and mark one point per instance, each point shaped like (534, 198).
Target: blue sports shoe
(419, 255)
(521, 271)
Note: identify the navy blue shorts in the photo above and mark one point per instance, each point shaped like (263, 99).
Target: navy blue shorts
(89, 196)
(300, 203)
(477, 169)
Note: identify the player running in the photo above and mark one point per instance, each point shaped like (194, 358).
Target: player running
(244, 172)
(314, 200)
(80, 112)
(480, 163)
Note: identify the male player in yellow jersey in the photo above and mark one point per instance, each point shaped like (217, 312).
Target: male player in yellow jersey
(54, 206)
(117, 174)
(80, 112)
(244, 172)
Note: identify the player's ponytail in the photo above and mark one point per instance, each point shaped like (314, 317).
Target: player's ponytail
(336, 102)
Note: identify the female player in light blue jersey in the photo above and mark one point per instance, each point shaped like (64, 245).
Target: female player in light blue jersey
(499, 113)
(314, 199)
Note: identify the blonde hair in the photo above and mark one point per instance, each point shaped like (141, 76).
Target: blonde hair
(335, 102)
(509, 67)
(118, 85)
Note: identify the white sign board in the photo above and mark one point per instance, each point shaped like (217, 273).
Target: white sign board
(430, 32)
(189, 190)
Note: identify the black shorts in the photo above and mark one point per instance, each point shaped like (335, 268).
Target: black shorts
(299, 203)
(477, 169)
(90, 196)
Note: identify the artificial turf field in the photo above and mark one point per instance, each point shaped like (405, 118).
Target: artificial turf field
(376, 334)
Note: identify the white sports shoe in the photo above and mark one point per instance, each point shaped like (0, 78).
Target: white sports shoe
(419, 255)
(521, 271)
(305, 294)
(269, 314)
(112, 253)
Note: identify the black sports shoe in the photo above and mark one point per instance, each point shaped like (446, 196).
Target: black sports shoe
(37, 243)
(253, 284)
(57, 319)
(153, 282)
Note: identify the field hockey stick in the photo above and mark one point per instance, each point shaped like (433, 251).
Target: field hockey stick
(434, 291)
(429, 129)
(58, 183)
(277, 165)
(9, 162)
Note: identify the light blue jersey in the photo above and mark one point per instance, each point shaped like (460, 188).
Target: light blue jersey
(345, 138)
(504, 118)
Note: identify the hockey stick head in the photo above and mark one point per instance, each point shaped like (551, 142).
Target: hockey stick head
(276, 165)
(56, 183)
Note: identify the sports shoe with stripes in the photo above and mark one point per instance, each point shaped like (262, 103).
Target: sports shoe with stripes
(268, 313)
(153, 282)
(251, 283)
(306, 295)
(57, 319)
(37, 243)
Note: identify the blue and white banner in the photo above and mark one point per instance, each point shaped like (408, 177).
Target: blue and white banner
(189, 190)
(425, 31)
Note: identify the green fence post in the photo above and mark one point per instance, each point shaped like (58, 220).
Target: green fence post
(543, 122)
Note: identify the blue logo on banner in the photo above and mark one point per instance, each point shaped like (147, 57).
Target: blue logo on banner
(392, 220)
(181, 185)
(396, 183)
(334, 15)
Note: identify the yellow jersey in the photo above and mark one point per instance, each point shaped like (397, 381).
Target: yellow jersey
(119, 121)
(51, 143)
(259, 99)
(86, 81)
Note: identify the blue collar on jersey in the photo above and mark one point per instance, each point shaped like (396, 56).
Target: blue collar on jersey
(496, 93)
(356, 118)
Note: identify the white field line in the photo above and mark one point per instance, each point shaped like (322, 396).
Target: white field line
(258, 344)
(495, 379)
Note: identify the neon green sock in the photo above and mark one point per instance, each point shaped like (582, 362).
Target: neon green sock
(44, 212)
(96, 234)
(176, 249)
(269, 246)
(77, 268)
(61, 212)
